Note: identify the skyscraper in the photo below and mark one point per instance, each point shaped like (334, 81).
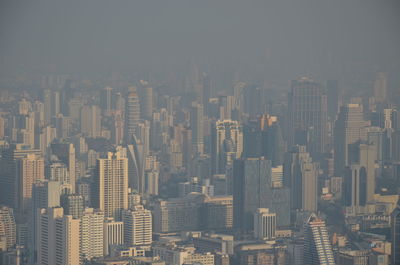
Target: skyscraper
(307, 115)
(227, 145)
(92, 231)
(380, 87)
(196, 124)
(106, 100)
(132, 114)
(350, 127)
(91, 121)
(300, 174)
(137, 226)
(73, 205)
(58, 238)
(110, 187)
(317, 247)
(264, 224)
(251, 182)
(395, 235)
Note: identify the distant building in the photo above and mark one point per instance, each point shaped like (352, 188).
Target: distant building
(395, 235)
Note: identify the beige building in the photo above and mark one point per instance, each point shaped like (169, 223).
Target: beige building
(110, 190)
(174, 255)
(58, 238)
(137, 226)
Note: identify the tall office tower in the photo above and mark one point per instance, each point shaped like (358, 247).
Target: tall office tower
(66, 94)
(253, 104)
(380, 87)
(91, 121)
(113, 234)
(132, 114)
(106, 100)
(12, 170)
(46, 99)
(355, 186)
(146, 102)
(29, 170)
(251, 182)
(2, 127)
(395, 234)
(92, 234)
(56, 103)
(117, 133)
(46, 136)
(8, 227)
(252, 139)
(137, 226)
(350, 127)
(24, 107)
(332, 93)
(364, 155)
(272, 143)
(307, 116)
(317, 247)
(207, 89)
(38, 109)
(45, 194)
(25, 128)
(57, 238)
(264, 224)
(197, 126)
(73, 205)
(66, 154)
(110, 187)
(151, 177)
(300, 174)
(226, 145)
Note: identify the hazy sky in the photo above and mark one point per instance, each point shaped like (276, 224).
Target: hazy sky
(284, 38)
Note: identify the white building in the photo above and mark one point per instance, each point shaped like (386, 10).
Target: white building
(264, 224)
(137, 226)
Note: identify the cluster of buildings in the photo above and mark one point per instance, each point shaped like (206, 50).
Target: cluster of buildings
(145, 175)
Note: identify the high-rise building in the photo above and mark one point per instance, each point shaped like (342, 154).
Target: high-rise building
(91, 237)
(17, 168)
(113, 234)
(307, 117)
(350, 127)
(137, 226)
(227, 145)
(91, 121)
(196, 124)
(300, 174)
(317, 247)
(395, 235)
(380, 87)
(66, 154)
(8, 227)
(264, 224)
(57, 238)
(110, 187)
(332, 93)
(106, 100)
(29, 170)
(355, 186)
(73, 204)
(251, 182)
(45, 194)
(132, 114)
(146, 101)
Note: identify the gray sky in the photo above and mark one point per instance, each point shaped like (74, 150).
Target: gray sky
(283, 38)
